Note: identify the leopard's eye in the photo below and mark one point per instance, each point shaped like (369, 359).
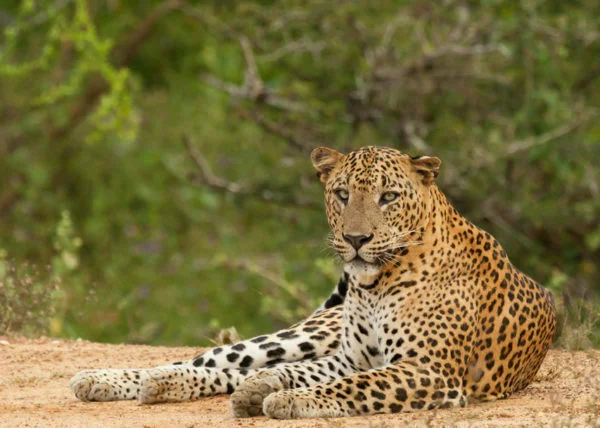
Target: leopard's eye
(388, 197)
(343, 195)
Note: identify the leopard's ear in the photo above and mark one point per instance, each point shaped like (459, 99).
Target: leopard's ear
(428, 167)
(324, 160)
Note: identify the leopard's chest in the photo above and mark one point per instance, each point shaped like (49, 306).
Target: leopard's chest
(359, 333)
(383, 321)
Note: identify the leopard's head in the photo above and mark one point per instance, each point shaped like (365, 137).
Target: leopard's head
(377, 200)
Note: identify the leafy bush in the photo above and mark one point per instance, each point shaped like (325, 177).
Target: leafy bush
(181, 240)
(27, 299)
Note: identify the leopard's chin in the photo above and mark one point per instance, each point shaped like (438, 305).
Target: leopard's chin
(360, 266)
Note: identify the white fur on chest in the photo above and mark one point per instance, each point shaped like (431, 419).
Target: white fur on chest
(359, 337)
(359, 271)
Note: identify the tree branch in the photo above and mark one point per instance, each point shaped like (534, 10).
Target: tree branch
(206, 175)
(533, 141)
(253, 88)
(45, 15)
(427, 61)
(274, 128)
(264, 192)
(127, 50)
(297, 46)
(265, 96)
(515, 147)
(123, 52)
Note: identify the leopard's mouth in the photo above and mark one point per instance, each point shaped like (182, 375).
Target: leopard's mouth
(360, 266)
(358, 257)
(360, 260)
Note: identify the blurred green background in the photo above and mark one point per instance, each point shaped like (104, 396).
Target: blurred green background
(155, 184)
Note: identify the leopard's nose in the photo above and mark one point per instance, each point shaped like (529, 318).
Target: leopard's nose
(357, 241)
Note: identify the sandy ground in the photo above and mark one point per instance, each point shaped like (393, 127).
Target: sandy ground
(34, 377)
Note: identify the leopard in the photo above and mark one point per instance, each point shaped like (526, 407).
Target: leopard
(428, 313)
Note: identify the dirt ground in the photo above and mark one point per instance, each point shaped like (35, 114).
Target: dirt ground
(34, 378)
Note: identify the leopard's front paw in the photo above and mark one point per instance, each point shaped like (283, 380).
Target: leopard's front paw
(95, 385)
(302, 403)
(161, 385)
(247, 400)
(81, 384)
(280, 406)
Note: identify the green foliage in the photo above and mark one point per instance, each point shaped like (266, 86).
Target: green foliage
(28, 299)
(96, 96)
(71, 37)
(579, 324)
(33, 301)
(66, 245)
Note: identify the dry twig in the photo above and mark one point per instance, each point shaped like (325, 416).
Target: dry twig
(253, 88)
(297, 46)
(427, 61)
(265, 96)
(276, 129)
(515, 147)
(264, 191)
(206, 175)
(533, 141)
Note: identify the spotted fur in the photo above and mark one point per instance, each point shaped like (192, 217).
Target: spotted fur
(429, 313)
